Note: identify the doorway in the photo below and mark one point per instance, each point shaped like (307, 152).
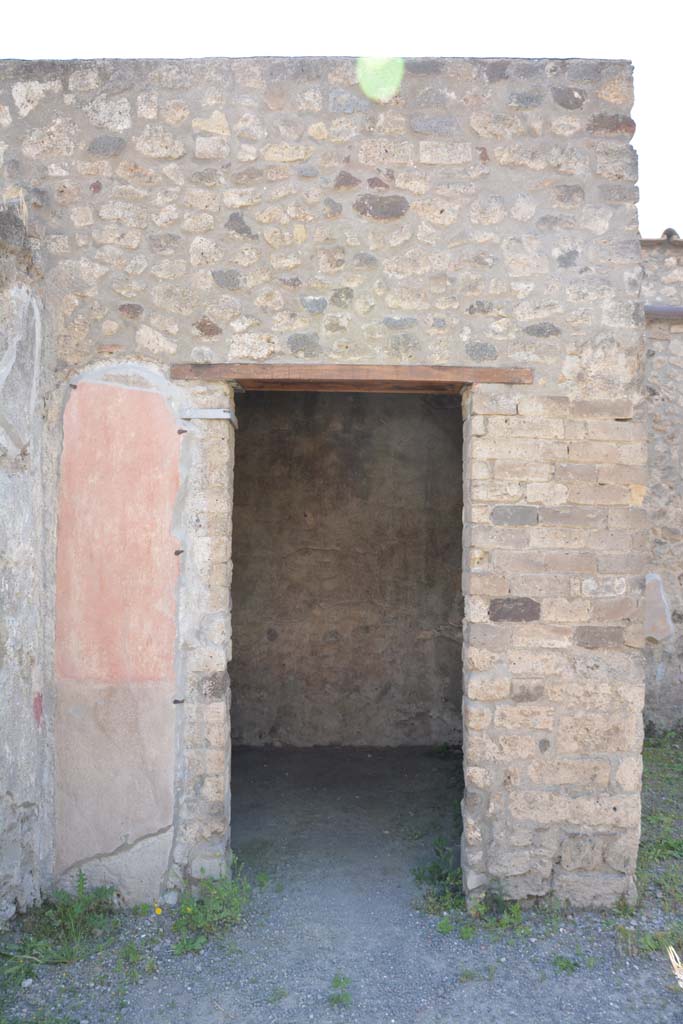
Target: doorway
(347, 628)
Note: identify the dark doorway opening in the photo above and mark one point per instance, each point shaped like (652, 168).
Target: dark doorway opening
(347, 630)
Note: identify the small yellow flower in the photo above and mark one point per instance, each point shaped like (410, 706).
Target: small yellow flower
(157, 910)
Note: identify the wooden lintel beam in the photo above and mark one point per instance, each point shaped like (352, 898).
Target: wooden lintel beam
(351, 377)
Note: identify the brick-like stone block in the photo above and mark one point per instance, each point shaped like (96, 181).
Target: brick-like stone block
(514, 609)
(514, 515)
(599, 636)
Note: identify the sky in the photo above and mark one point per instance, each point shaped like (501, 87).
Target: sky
(647, 33)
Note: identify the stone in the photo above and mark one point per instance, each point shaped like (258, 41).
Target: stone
(154, 341)
(599, 636)
(342, 297)
(582, 853)
(514, 609)
(481, 351)
(385, 152)
(544, 329)
(107, 145)
(346, 180)
(399, 323)
(611, 124)
(211, 147)
(365, 259)
(437, 125)
(111, 112)
(381, 207)
(56, 139)
(238, 225)
(445, 152)
(159, 143)
(514, 515)
(131, 310)
(27, 95)
(230, 279)
(305, 343)
(207, 327)
(596, 732)
(314, 303)
(13, 233)
(215, 124)
(285, 152)
(570, 99)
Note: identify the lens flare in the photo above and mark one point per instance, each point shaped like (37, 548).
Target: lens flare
(380, 77)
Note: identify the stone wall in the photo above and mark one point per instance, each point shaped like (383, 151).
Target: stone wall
(555, 544)
(25, 741)
(346, 603)
(267, 210)
(663, 284)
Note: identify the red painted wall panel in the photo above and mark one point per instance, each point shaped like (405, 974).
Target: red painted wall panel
(116, 568)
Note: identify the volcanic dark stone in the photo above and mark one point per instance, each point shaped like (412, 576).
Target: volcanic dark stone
(570, 99)
(230, 279)
(106, 145)
(514, 609)
(381, 207)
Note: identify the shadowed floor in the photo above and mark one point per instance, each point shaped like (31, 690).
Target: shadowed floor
(343, 815)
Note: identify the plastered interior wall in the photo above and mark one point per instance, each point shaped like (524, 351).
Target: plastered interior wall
(663, 284)
(266, 210)
(347, 550)
(115, 637)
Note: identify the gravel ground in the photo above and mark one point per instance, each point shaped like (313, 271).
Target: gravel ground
(329, 839)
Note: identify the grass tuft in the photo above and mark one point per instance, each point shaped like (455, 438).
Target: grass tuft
(441, 881)
(65, 928)
(340, 996)
(217, 906)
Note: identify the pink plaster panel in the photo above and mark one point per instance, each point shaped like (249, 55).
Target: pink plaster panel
(116, 567)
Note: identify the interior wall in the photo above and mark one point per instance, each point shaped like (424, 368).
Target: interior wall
(347, 552)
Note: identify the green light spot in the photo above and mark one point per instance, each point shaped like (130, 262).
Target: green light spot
(380, 77)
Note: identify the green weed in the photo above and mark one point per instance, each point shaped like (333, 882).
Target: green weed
(216, 907)
(445, 926)
(277, 995)
(660, 859)
(128, 960)
(498, 916)
(65, 928)
(441, 881)
(340, 996)
(566, 964)
(633, 941)
(467, 975)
